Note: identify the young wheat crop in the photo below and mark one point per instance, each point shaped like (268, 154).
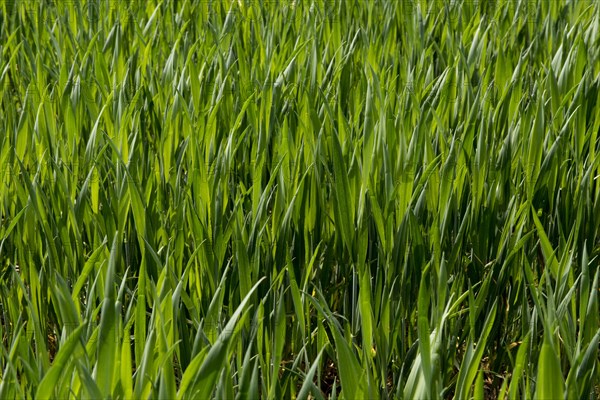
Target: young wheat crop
(299, 199)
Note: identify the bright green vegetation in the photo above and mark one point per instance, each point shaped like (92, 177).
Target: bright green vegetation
(351, 199)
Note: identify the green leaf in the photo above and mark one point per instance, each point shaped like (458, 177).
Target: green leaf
(550, 381)
(199, 381)
(308, 386)
(547, 250)
(50, 382)
(107, 338)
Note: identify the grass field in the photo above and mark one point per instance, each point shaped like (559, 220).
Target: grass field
(299, 199)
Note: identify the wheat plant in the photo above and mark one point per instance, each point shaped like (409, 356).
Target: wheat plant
(342, 199)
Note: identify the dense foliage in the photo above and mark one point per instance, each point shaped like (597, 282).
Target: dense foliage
(276, 199)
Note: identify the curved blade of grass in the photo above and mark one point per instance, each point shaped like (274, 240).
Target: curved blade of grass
(199, 382)
(48, 385)
(305, 390)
